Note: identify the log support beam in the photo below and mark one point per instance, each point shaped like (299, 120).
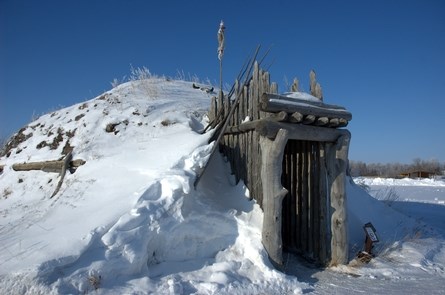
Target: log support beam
(336, 164)
(273, 193)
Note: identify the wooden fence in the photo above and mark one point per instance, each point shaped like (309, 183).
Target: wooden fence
(242, 146)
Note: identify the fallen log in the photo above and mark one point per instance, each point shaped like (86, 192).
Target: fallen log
(60, 166)
(47, 166)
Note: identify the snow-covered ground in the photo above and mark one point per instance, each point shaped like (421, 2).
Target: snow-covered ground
(129, 221)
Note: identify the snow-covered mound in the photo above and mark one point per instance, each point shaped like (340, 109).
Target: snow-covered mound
(129, 220)
(125, 136)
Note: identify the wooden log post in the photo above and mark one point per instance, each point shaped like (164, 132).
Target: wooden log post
(273, 193)
(295, 87)
(325, 233)
(336, 159)
(314, 86)
(212, 110)
(274, 88)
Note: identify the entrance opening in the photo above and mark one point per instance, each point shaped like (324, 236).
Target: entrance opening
(304, 221)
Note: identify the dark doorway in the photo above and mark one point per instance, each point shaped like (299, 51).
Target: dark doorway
(304, 222)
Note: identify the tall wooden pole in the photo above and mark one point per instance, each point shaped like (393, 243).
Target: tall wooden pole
(220, 52)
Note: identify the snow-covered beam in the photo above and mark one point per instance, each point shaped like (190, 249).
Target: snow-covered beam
(276, 103)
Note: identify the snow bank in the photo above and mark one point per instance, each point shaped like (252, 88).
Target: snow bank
(391, 225)
(400, 182)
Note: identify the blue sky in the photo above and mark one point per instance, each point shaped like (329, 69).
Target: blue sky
(383, 60)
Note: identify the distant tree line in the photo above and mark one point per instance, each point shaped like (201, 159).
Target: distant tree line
(358, 168)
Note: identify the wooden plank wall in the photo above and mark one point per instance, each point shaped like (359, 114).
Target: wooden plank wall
(243, 149)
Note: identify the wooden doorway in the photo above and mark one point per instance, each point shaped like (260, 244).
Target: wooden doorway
(304, 223)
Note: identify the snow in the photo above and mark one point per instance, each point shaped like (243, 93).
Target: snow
(130, 221)
(302, 96)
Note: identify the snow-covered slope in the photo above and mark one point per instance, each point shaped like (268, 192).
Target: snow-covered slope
(119, 165)
(129, 216)
(129, 221)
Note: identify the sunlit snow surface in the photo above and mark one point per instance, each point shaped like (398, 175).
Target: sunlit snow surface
(130, 221)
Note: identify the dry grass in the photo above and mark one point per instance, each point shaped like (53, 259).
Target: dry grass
(6, 193)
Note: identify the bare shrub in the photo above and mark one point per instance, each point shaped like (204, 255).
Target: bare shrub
(140, 74)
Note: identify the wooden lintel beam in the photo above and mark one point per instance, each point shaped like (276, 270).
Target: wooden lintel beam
(269, 129)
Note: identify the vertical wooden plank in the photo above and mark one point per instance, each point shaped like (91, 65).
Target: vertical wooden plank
(325, 233)
(251, 142)
(254, 94)
(299, 194)
(260, 92)
(290, 232)
(310, 248)
(241, 136)
(285, 211)
(235, 143)
(274, 88)
(212, 110)
(256, 135)
(316, 204)
(293, 191)
(266, 89)
(220, 105)
(246, 138)
(304, 201)
(246, 135)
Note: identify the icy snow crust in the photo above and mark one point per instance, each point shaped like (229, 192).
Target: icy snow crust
(129, 221)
